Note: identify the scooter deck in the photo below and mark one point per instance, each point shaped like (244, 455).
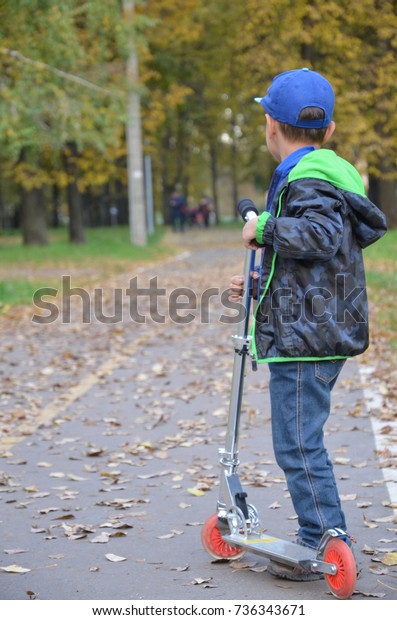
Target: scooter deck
(283, 551)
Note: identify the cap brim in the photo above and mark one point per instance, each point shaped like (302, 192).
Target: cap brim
(258, 99)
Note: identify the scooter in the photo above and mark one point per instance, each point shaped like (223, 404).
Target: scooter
(236, 528)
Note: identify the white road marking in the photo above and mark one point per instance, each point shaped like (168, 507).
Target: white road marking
(374, 400)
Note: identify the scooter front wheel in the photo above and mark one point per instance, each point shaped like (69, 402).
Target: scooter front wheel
(214, 544)
(343, 583)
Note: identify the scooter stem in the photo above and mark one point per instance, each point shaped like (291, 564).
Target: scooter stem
(232, 498)
(241, 343)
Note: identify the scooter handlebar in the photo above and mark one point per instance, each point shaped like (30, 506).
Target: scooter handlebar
(247, 209)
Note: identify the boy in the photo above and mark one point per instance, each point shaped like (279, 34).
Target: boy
(313, 312)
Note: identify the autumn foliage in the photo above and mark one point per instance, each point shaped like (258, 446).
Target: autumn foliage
(201, 62)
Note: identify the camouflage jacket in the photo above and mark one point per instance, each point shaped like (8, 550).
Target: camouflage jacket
(314, 302)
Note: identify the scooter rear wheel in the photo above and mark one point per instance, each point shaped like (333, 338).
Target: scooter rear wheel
(214, 544)
(342, 584)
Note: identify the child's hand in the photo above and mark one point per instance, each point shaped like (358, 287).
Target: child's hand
(236, 287)
(249, 233)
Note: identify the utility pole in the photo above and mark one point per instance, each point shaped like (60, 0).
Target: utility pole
(136, 189)
(149, 194)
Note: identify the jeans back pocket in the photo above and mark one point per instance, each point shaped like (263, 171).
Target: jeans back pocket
(328, 370)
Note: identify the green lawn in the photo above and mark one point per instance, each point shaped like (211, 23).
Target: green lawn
(107, 251)
(381, 271)
(112, 242)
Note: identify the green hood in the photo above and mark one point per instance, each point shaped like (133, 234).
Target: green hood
(326, 165)
(367, 221)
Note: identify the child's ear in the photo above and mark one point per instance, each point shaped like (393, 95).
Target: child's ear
(329, 132)
(271, 125)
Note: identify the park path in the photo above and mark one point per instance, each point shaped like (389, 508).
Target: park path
(108, 452)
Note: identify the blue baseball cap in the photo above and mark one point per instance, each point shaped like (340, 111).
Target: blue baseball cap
(292, 91)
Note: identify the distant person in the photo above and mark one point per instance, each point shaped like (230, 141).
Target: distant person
(204, 210)
(178, 211)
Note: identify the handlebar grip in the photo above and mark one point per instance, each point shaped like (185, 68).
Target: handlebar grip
(247, 209)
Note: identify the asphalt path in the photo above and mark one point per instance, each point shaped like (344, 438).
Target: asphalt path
(109, 450)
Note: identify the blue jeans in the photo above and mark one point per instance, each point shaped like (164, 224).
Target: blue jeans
(177, 219)
(300, 394)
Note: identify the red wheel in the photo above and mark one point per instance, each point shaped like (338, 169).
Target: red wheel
(214, 544)
(342, 584)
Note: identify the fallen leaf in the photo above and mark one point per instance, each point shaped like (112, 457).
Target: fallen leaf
(368, 550)
(95, 452)
(31, 489)
(220, 413)
(341, 461)
(117, 534)
(46, 511)
(158, 370)
(241, 565)
(102, 538)
(74, 532)
(14, 568)
(47, 371)
(114, 558)
(196, 492)
(14, 551)
(370, 594)
(378, 570)
(35, 529)
(258, 569)
(156, 475)
(389, 519)
(368, 524)
(390, 559)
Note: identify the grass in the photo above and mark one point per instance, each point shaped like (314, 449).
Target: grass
(111, 242)
(381, 272)
(16, 292)
(107, 251)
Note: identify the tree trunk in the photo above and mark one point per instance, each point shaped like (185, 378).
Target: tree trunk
(56, 204)
(2, 211)
(384, 194)
(183, 155)
(234, 173)
(34, 225)
(214, 178)
(121, 200)
(167, 186)
(74, 198)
